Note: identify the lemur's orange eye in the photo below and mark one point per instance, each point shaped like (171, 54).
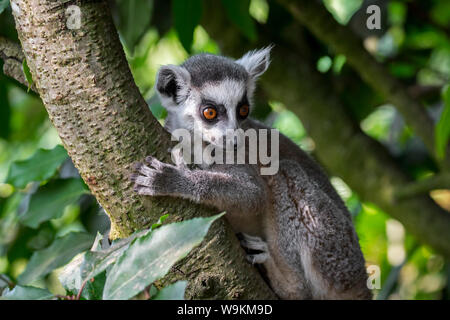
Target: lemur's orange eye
(209, 113)
(243, 111)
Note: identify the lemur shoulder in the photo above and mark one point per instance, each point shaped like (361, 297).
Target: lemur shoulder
(295, 220)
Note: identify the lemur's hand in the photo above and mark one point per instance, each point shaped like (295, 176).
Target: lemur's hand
(156, 178)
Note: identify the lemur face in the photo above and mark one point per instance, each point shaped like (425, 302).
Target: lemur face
(211, 94)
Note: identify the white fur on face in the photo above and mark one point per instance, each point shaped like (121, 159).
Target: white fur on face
(228, 93)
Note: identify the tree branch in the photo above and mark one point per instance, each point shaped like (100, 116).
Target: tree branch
(320, 22)
(364, 164)
(83, 79)
(440, 181)
(12, 56)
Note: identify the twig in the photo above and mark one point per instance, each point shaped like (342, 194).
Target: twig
(441, 181)
(147, 292)
(8, 282)
(63, 297)
(392, 278)
(12, 56)
(81, 289)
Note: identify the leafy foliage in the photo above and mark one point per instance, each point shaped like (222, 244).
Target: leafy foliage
(151, 256)
(58, 254)
(48, 202)
(119, 272)
(3, 5)
(186, 16)
(41, 166)
(237, 11)
(342, 10)
(172, 292)
(27, 293)
(133, 20)
(27, 72)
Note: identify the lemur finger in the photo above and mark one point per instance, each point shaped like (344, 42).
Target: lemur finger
(252, 238)
(143, 180)
(260, 246)
(137, 166)
(146, 171)
(257, 258)
(145, 191)
(254, 243)
(155, 163)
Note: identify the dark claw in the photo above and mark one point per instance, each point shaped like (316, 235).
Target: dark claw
(137, 165)
(133, 177)
(149, 159)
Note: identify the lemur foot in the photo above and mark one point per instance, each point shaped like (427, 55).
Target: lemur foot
(258, 258)
(255, 243)
(154, 178)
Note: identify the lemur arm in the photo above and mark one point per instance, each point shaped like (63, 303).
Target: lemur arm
(223, 190)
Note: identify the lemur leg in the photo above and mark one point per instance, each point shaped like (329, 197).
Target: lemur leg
(284, 283)
(322, 243)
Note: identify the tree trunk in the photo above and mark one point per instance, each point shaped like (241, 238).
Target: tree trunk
(104, 123)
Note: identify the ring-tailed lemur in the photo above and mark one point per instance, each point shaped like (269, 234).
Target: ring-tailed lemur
(304, 232)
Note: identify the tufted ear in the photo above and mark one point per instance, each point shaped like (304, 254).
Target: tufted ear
(256, 62)
(172, 82)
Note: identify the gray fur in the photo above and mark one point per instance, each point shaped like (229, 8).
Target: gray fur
(207, 68)
(308, 245)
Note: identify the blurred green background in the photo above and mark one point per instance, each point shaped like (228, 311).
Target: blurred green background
(413, 44)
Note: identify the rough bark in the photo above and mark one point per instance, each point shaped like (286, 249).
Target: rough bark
(319, 21)
(340, 145)
(104, 123)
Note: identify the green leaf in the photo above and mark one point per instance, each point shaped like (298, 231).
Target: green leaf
(94, 287)
(70, 279)
(27, 72)
(442, 129)
(160, 222)
(151, 256)
(238, 12)
(70, 276)
(39, 167)
(27, 293)
(158, 111)
(342, 10)
(186, 16)
(3, 5)
(134, 18)
(60, 252)
(51, 199)
(172, 292)
(96, 261)
(290, 125)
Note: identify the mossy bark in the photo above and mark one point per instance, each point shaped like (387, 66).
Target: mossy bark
(104, 123)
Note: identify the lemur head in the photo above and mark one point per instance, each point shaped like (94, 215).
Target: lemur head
(210, 94)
